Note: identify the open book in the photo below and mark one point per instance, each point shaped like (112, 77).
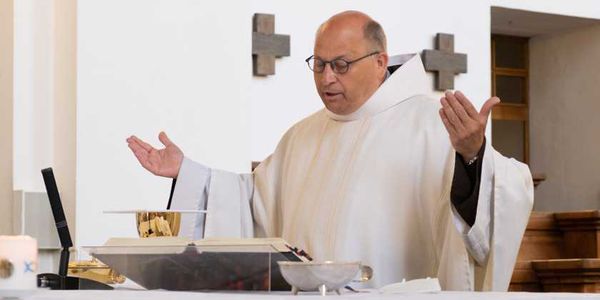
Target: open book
(175, 263)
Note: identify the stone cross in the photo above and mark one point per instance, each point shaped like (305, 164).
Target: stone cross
(266, 45)
(444, 61)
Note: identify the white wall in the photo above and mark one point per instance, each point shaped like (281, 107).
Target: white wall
(6, 114)
(33, 91)
(564, 107)
(64, 104)
(145, 66)
(42, 129)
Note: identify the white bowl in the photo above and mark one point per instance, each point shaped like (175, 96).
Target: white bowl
(321, 276)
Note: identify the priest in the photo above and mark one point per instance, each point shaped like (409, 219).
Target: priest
(382, 174)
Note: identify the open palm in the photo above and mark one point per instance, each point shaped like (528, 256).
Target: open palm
(164, 162)
(465, 125)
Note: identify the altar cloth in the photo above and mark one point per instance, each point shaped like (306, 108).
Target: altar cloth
(368, 294)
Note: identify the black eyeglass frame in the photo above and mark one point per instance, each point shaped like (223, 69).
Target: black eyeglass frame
(333, 66)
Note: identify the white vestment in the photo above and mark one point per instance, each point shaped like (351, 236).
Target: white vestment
(372, 186)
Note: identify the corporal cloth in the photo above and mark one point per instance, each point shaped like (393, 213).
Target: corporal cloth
(372, 186)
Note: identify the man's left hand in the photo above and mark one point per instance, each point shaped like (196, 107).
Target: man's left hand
(465, 125)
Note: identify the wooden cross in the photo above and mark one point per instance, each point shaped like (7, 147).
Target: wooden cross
(266, 45)
(444, 61)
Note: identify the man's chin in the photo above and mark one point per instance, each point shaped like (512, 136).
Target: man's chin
(334, 104)
(337, 109)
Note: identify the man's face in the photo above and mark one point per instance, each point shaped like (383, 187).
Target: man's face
(345, 93)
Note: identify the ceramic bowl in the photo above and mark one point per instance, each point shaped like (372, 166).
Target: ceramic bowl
(321, 276)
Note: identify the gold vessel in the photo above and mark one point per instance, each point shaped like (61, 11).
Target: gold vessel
(95, 270)
(155, 223)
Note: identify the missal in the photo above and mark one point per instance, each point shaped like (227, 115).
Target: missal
(175, 263)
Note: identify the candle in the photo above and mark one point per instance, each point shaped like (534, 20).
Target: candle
(18, 262)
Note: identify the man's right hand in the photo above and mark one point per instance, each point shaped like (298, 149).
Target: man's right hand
(164, 162)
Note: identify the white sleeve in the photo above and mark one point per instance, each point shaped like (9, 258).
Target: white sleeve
(229, 212)
(504, 203)
(191, 193)
(477, 237)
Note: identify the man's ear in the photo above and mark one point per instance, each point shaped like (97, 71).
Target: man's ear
(382, 60)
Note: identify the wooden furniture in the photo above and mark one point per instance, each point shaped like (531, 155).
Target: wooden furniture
(580, 275)
(510, 82)
(560, 252)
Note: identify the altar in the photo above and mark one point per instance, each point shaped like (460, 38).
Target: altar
(369, 294)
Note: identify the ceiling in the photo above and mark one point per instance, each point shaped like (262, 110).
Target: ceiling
(526, 23)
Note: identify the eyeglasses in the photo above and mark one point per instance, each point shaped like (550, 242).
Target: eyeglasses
(338, 65)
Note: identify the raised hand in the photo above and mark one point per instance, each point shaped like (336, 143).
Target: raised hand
(164, 162)
(465, 125)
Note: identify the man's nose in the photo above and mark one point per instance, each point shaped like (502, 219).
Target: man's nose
(328, 75)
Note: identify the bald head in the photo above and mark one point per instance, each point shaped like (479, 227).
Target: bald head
(350, 47)
(372, 31)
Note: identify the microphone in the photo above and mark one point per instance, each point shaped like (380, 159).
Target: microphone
(61, 281)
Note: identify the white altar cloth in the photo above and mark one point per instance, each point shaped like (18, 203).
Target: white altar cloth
(371, 294)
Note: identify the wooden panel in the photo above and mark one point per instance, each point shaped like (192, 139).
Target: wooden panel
(524, 278)
(511, 72)
(583, 244)
(587, 217)
(581, 233)
(559, 253)
(511, 51)
(542, 240)
(513, 112)
(510, 57)
(511, 89)
(569, 275)
(541, 244)
(542, 220)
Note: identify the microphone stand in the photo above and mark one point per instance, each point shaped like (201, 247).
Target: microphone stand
(62, 281)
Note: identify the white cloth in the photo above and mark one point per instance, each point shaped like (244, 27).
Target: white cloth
(43, 294)
(374, 186)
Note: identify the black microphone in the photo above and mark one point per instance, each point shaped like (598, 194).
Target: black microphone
(61, 280)
(57, 208)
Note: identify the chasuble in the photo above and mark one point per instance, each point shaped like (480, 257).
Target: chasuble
(372, 186)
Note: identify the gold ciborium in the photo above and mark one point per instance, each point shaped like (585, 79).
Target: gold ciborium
(95, 270)
(157, 223)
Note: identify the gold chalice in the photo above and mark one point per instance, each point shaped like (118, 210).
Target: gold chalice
(157, 223)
